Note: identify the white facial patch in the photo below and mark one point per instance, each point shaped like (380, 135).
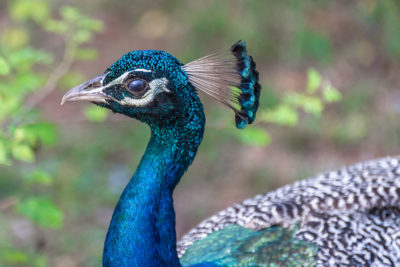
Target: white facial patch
(156, 86)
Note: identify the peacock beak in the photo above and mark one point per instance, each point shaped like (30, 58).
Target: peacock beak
(91, 90)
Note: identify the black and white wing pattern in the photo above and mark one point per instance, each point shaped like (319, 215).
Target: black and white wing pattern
(352, 215)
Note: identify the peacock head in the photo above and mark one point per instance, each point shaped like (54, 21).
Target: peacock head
(154, 87)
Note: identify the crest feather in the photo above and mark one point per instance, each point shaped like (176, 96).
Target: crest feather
(230, 78)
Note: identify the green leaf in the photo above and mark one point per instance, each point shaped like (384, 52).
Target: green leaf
(70, 13)
(81, 36)
(25, 9)
(313, 106)
(42, 211)
(27, 82)
(56, 26)
(313, 80)
(331, 94)
(45, 133)
(10, 256)
(253, 136)
(21, 135)
(23, 59)
(282, 115)
(13, 256)
(310, 104)
(95, 114)
(90, 24)
(4, 67)
(41, 177)
(23, 152)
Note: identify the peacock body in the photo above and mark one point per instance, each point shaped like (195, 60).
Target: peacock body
(348, 217)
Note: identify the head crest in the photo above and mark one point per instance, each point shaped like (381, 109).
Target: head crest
(230, 78)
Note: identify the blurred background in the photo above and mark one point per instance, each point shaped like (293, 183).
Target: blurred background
(330, 76)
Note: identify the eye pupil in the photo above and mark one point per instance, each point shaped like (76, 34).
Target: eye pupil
(137, 86)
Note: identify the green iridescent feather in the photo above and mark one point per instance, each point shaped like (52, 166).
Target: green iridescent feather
(238, 246)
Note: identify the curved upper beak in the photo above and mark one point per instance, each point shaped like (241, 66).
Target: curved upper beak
(91, 90)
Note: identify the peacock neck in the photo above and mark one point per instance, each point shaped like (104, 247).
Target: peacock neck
(142, 229)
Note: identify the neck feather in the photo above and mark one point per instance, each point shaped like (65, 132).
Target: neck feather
(142, 229)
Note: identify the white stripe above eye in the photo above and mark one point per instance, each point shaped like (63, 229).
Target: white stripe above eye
(142, 70)
(122, 77)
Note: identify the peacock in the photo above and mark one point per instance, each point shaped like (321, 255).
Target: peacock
(349, 217)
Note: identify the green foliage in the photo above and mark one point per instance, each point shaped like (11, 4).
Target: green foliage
(310, 104)
(253, 136)
(314, 80)
(14, 257)
(331, 94)
(40, 177)
(38, 133)
(37, 10)
(20, 61)
(42, 211)
(23, 152)
(285, 112)
(27, 76)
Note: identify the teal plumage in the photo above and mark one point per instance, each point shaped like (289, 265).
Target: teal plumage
(349, 217)
(238, 246)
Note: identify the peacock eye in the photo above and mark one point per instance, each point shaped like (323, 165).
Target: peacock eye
(137, 87)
